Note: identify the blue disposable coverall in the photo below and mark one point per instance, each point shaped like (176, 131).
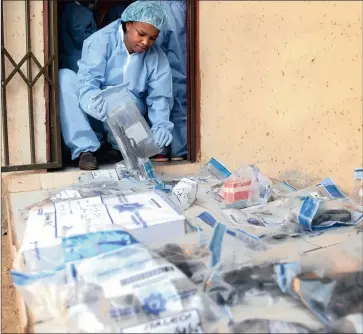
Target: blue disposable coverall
(106, 62)
(76, 25)
(173, 41)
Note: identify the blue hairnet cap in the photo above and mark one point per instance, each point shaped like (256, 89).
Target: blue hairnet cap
(145, 11)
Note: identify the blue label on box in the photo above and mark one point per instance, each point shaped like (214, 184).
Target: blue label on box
(163, 187)
(23, 279)
(149, 170)
(358, 173)
(288, 187)
(249, 240)
(207, 218)
(220, 170)
(332, 189)
(307, 212)
(95, 243)
(215, 245)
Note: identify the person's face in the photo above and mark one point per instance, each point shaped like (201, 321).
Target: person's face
(140, 36)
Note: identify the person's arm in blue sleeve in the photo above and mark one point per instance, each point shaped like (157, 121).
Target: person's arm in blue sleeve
(160, 93)
(81, 25)
(92, 68)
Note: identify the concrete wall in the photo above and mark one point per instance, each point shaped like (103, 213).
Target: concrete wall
(17, 91)
(281, 85)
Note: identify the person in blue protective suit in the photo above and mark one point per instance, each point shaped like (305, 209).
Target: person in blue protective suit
(76, 25)
(122, 52)
(173, 43)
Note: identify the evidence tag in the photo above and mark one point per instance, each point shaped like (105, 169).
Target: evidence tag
(332, 189)
(217, 169)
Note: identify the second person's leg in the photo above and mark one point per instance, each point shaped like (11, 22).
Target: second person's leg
(77, 132)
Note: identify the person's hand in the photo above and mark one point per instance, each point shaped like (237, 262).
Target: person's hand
(98, 108)
(162, 137)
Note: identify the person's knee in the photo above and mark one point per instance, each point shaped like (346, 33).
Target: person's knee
(67, 78)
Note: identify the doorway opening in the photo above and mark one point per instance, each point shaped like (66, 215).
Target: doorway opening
(182, 15)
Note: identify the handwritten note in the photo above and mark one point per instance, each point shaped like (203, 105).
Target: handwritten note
(186, 192)
(149, 209)
(51, 221)
(40, 227)
(81, 216)
(66, 194)
(110, 174)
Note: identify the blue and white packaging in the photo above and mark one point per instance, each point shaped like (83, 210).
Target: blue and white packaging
(112, 174)
(358, 174)
(272, 223)
(229, 247)
(213, 170)
(357, 192)
(127, 290)
(332, 189)
(293, 216)
(153, 221)
(42, 256)
(307, 212)
(209, 231)
(257, 189)
(146, 214)
(99, 186)
(326, 189)
(317, 215)
(282, 188)
(219, 230)
(131, 131)
(279, 214)
(45, 277)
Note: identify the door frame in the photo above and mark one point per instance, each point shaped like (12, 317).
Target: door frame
(193, 82)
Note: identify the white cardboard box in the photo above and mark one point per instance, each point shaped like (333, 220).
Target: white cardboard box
(146, 215)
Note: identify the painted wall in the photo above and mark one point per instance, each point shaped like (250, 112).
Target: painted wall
(281, 85)
(17, 91)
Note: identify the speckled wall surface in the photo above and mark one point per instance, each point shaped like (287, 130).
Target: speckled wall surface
(281, 85)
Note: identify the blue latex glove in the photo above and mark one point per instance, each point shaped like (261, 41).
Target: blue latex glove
(98, 108)
(162, 137)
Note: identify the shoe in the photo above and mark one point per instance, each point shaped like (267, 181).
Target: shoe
(114, 156)
(108, 155)
(87, 161)
(160, 158)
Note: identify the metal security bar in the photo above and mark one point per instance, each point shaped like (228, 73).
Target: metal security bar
(50, 73)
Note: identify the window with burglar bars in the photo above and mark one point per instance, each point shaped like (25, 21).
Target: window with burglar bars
(29, 90)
